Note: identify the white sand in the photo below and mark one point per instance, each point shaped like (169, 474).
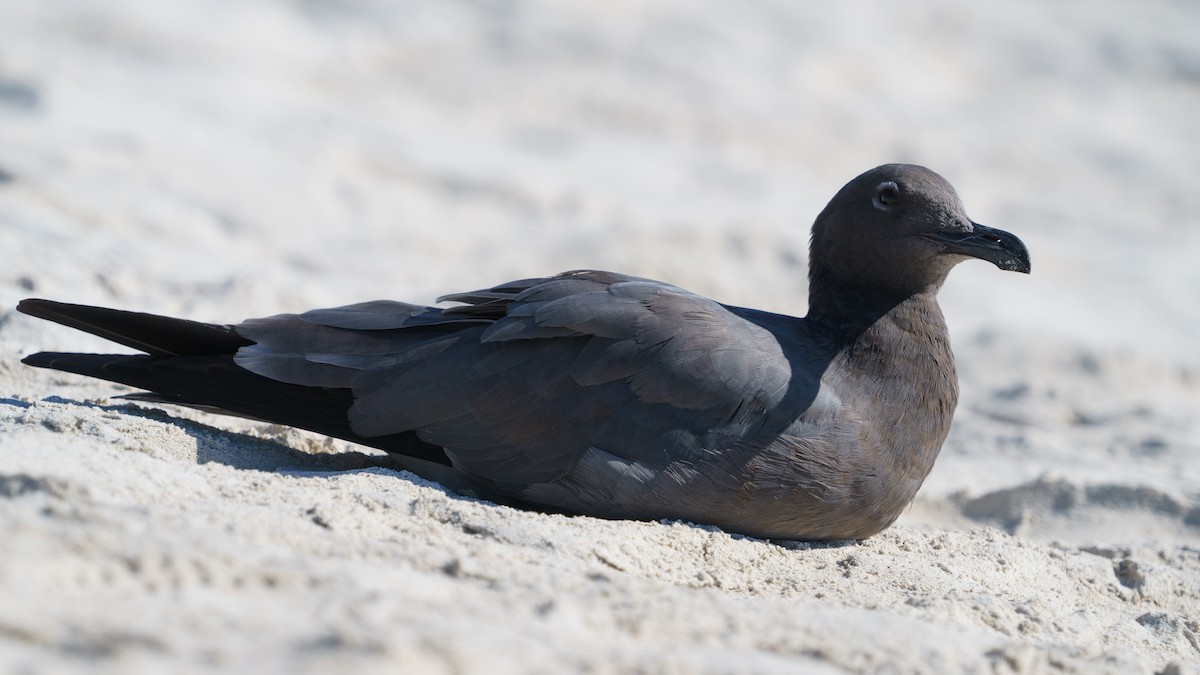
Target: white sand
(221, 160)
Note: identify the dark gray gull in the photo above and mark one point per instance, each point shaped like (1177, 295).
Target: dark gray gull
(616, 396)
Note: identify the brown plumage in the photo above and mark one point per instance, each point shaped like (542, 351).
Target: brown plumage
(604, 394)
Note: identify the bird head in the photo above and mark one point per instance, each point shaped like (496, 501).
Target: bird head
(900, 228)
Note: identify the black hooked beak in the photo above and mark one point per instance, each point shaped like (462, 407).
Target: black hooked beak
(998, 247)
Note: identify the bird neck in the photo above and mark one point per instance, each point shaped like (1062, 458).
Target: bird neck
(846, 313)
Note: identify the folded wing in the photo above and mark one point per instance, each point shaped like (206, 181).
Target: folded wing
(522, 379)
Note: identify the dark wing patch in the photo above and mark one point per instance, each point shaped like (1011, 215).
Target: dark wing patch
(582, 360)
(520, 381)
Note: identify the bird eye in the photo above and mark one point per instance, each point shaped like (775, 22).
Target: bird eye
(886, 195)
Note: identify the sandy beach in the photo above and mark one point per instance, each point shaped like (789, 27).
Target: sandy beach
(225, 160)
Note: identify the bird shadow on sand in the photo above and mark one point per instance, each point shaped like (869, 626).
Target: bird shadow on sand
(15, 402)
(232, 448)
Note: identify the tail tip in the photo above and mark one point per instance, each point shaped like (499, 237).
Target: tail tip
(39, 360)
(35, 306)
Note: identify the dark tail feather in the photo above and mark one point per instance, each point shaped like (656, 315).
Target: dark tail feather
(156, 335)
(216, 381)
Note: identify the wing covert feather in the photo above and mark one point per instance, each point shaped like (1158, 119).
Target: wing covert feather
(518, 384)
